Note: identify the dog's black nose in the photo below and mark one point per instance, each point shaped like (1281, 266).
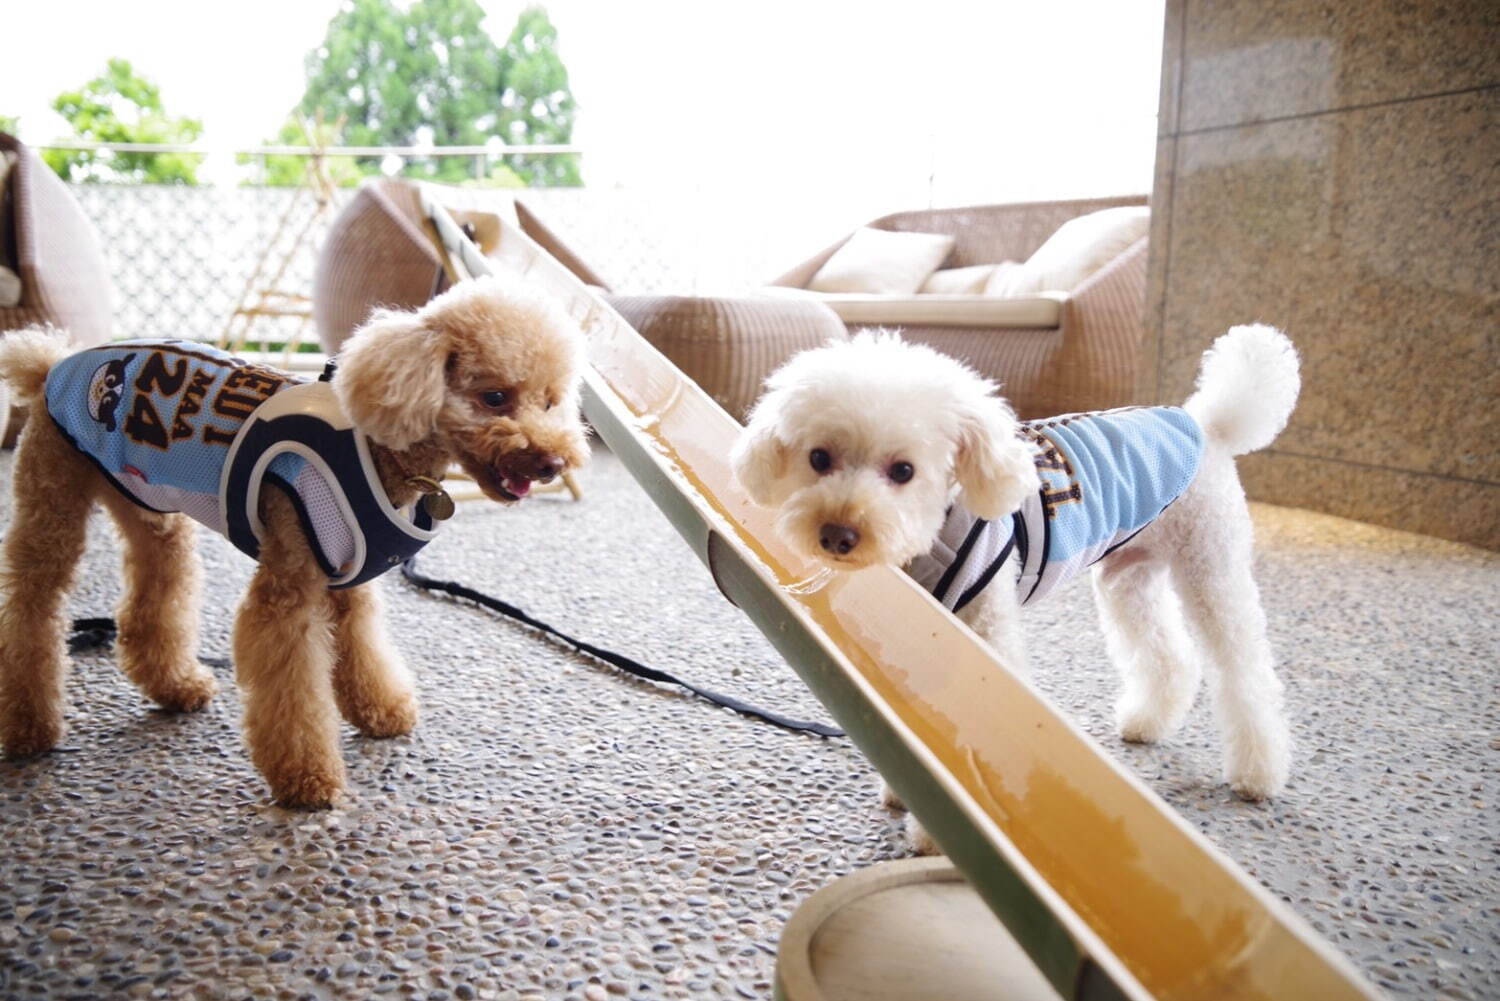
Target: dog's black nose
(838, 539)
(547, 466)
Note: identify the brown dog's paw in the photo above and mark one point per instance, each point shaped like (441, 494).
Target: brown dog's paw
(311, 791)
(187, 693)
(394, 720)
(28, 736)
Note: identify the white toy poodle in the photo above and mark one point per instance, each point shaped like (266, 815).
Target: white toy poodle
(877, 451)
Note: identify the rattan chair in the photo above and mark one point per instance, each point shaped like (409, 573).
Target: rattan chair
(1085, 360)
(50, 245)
(377, 253)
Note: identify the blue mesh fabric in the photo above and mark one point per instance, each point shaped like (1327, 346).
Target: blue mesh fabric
(331, 531)
(158, 416)
(1124, 466)
(1105, 476)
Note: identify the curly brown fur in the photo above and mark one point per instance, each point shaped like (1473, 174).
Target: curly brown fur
(422, 386)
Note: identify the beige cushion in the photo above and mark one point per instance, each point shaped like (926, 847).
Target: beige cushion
(879, 261)
(958, 281)
(1079, 248)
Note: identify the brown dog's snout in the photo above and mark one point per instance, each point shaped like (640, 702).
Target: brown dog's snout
(838, 539)
(532, 465)
(545, 467)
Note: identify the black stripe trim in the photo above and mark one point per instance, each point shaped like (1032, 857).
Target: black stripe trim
(988, 575)
(1041, 563)
(386, 542)
(1138, 531)
(946, 581)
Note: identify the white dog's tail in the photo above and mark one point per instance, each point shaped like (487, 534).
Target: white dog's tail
(1247, 388)
(26, 356)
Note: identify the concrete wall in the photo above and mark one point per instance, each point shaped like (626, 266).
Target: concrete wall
(1334, 169)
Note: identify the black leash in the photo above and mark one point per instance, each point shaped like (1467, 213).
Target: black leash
(90, 634)
(639, 670)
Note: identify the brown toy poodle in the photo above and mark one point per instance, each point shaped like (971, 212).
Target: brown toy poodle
(485, 375)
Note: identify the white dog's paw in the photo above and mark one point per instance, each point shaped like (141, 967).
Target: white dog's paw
(921, 842)
(1147, 722)
(1259, 769)
(888, 797)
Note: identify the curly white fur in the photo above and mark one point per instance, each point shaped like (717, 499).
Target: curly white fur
(1247, 387)
(1180, 593)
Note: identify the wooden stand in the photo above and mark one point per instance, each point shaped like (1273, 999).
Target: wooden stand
(262, 298)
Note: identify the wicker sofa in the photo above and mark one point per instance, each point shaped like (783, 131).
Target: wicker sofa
(1052, 352)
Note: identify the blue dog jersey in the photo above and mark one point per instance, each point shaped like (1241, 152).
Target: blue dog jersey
(1104, 477)
(183, 426)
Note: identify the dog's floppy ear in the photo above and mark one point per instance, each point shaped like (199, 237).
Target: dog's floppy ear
(759, 458)
(993, 466)
(392, 378)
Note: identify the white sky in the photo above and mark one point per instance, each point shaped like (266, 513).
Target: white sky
(957, 100)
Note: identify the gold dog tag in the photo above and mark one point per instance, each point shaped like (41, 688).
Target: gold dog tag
(439, 506)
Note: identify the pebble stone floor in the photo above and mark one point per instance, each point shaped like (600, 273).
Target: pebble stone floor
(554, 830)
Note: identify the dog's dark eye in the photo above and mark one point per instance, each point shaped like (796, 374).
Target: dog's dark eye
(901, 472)
(495, 399)
(820, 460)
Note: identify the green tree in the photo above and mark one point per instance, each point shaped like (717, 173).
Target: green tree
(537, 105)
(361, 74)
(120, 106)
(9, 124)
(433, 75)
(457, 73)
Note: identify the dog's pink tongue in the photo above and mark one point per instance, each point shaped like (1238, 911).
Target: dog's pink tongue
(517, 485)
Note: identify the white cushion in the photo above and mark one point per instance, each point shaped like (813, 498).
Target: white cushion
(1079, 248)
(926, 310)
(877, 260)
(958, 281)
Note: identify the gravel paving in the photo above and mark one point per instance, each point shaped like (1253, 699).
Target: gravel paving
(553, 829)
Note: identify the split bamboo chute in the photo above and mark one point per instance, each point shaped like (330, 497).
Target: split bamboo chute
(1109, 892)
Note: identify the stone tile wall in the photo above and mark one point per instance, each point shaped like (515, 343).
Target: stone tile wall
(1334, 169)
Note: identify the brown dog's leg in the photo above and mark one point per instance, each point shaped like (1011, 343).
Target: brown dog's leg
(158, 617)
(54, 488)
(283, 654)
(372, 685)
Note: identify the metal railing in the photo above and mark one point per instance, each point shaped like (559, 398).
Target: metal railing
(489, 149)
(484, 156)
(179, 256)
